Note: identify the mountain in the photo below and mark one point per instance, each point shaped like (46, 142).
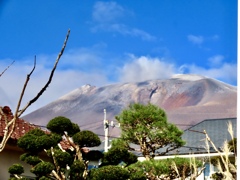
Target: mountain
(187, 100)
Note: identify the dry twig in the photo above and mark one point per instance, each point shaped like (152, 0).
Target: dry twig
(6, 69)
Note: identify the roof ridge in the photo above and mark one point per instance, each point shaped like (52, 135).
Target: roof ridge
(218, 119)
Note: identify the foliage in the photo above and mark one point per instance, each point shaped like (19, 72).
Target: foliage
(42, 169)
(113, 164)
(60, 160)
(110, 172)
(75, 129)
(36, 141)
(60, 124)
(86, 139)
(150, 168)
(76, 170)
(147, 126)
(44, 178)
(93, 155)
(217, 176)
(117, 155)
(162, 168)
(30, 159)
(16, 169)
(22, 178)
(136, 174)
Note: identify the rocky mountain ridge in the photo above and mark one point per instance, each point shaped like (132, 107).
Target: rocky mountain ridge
(187, 100)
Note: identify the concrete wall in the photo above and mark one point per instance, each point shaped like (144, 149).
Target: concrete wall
(9, 156)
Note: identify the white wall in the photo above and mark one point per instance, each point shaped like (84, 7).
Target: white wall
(8, 157)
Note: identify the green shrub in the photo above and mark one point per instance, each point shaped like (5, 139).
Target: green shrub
(75, 129)
(59, 125)
(86, 139)
(36, 141)
(109, 172)
(154, 168)
(42, 169)
(93, 155)
(117, 155)
(16, 169)
(30, 159)
(76, 170)
(45, 178)
(62, 158)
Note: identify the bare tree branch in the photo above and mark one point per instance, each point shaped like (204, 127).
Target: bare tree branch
(24, 88)
(50, 77)
(10, 125)
(6, 69)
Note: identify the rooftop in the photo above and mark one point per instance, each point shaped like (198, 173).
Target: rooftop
(21, 126)
(217, 130)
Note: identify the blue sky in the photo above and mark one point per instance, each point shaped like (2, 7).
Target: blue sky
(113, 41)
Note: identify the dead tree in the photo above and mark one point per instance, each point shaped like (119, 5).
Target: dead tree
(10, 123)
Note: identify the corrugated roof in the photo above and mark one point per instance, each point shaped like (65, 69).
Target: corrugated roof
(217, 130)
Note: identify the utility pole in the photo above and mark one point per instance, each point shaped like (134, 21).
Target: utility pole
(106, 130)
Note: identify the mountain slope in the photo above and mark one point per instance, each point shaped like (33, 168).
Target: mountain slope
(187, 99)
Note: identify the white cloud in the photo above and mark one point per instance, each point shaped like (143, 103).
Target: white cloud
(195, 39)
(82, 57)
(144, 35)
(227, 72)
(146, 68)
(199, 40)
(107, 12)
(134, 32)
(106, 17)
(74, 70)
(216, 60)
